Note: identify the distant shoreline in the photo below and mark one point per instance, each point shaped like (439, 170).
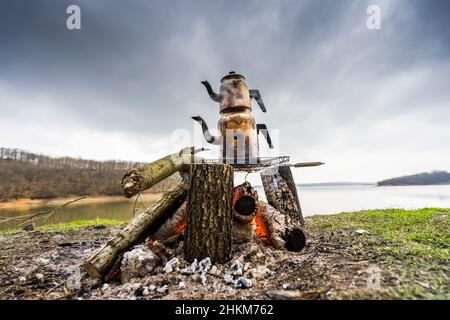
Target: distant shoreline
(434, 178)
(336, 184)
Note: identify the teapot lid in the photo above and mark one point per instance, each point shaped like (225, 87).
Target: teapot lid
(232, 75)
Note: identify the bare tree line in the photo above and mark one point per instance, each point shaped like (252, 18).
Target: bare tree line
(63, 162)
(29, 175)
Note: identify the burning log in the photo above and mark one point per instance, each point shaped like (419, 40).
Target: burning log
(209, 212)
(138, 229)
(245, 202)
(172, 227)
(147, 175)
(278, 229)
(281, 192)
(243, 232)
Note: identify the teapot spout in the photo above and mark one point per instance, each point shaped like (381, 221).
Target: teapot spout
(216, 97)
(209, 138)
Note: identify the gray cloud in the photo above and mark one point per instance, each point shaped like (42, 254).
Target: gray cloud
(330, 84)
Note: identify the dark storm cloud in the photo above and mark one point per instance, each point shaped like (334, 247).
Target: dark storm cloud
(142, 61)
(136, 66)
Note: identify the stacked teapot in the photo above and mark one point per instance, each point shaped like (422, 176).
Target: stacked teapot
(238, 129)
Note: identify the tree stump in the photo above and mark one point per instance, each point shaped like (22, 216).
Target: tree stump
(209, 212)
(281, 192)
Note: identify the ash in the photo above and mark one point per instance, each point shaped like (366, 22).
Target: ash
(45, 265)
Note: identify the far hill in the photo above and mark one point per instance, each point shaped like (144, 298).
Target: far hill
(425, 178)
(29, 175)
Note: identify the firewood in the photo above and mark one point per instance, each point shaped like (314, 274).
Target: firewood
(138, 229)
(173, 226)
(209, 212)
(279, 229)
(245, 202)
(147, 175)
(243, 232)
(281, 192)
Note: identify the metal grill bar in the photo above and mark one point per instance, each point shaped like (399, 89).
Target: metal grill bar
(259, 164)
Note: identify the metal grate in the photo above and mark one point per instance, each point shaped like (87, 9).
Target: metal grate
(252, 165)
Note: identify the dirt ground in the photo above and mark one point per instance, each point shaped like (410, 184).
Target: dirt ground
(333, 265)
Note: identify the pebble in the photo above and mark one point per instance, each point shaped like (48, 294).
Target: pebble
(285, 286)
(228, 278)
(141, 291)
(22, 280)
(243, 282)
(360, 231)
(236, 269)
(203, 278)
(205, 264)
(162, 289)
(40, 277)
(191, 268)
(214, 270)
(181, 284)
(105, 287)
(168, 268)
(138, 263)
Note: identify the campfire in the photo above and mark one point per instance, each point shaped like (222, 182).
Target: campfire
(206, 212)
(177, 218)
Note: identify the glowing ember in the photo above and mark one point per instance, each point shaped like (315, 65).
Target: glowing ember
(261, 229)
(180, 228)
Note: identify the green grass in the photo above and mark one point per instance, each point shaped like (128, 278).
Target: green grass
(70, 225)
(422, 231)
(412, 244)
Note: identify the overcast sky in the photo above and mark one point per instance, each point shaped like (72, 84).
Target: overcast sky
(372, 104)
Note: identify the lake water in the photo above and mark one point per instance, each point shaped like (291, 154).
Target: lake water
(314, 200)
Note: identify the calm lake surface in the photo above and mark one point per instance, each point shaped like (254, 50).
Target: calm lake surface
(314, 200)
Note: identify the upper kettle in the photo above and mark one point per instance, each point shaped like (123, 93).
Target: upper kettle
(234, 93)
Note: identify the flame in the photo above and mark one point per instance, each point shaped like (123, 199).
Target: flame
(180, 228)
(261, 229)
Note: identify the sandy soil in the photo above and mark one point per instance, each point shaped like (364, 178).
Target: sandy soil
(42, 265)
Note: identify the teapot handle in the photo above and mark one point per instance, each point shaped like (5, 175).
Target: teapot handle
(262, 128)
(254, 93)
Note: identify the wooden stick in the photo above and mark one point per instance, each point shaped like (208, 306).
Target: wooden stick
(34, 216)
(146, 176)
(138, 229)
(174, 225)
(307, 164)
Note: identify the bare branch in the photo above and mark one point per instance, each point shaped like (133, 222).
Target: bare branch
(34, 216)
